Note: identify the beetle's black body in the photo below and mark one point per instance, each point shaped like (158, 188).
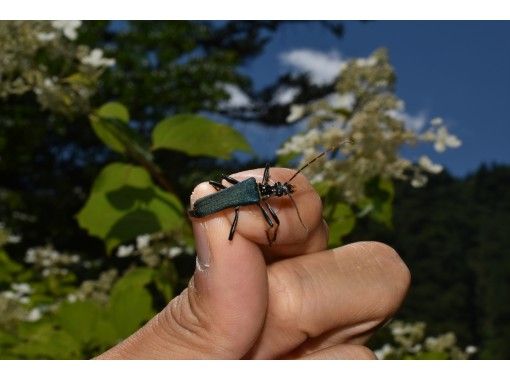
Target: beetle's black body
(248, 192)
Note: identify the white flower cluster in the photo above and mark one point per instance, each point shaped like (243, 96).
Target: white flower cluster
(152, 249)
(411, 343)
(68, 28)
(96, 59)
(98, 290)
(50, 261)
(29, 62)
(365, 110)
(19, 292)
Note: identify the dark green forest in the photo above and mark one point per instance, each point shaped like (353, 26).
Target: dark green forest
(454, 236)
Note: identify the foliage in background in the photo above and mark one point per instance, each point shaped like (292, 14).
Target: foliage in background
(131, 191)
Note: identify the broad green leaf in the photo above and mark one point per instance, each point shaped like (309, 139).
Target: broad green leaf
(198, 136)
(341, 222)
(379, 200)
(165, 278)
(110, 123)
(103, 123)
(125, 203)
(130, 303)
(79, 319)
(42, 341)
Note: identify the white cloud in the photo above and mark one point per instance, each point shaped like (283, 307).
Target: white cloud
(322, 67)
(285, 95)
(237, 97)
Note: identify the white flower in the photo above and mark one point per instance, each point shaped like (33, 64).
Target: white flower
(34, 315)
(419, 180)
(296, 112)
(383, 351)
(445, 140)
(72, 298)
(143, 241)
(125, 250)
(68, 27)
(49, 83)
(13, 239)
(46, 37)
(470, 350)
(366, 62)
(429, 166)
(344, 101)
(175, 251)
(96, 59)
(22, 288)
(9, 294)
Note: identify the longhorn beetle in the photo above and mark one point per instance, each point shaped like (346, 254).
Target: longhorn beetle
(250, 192)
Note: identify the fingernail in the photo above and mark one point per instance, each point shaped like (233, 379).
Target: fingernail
(202, 246)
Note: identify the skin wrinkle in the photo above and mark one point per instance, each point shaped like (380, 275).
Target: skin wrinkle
(342, 352)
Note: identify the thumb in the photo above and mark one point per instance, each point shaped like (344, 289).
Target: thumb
(221, 312)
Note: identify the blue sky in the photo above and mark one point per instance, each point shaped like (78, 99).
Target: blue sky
(458, 70)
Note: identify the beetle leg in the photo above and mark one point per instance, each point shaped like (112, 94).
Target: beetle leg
(218, 186)
(227, 178)
(234, 224)
(270, 222)
(276, 219)
(266, 216)
(265, 178)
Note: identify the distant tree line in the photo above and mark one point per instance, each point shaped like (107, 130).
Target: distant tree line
(454, 236)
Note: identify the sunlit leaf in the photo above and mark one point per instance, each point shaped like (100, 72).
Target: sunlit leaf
(341, 222)
(130, 303)
(125, 203)
(79, 319)
(110, 123)
(198, 136)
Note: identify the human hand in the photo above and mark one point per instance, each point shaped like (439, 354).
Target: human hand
(295, 299)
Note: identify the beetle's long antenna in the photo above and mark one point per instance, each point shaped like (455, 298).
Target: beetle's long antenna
(346, 141)
(297, 211)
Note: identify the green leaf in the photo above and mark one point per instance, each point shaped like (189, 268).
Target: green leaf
(110, 123)
(80, 79)
(341, 222)
(286, 159)
(379, 200)
(79, 319)
(103, 124)
(431, 356)
(42, 341)
(8, 267)
(198, 136)
(130, 303)
(322, 188)
(125, 203)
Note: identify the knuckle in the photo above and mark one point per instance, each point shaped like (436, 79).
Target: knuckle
(284, 305)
